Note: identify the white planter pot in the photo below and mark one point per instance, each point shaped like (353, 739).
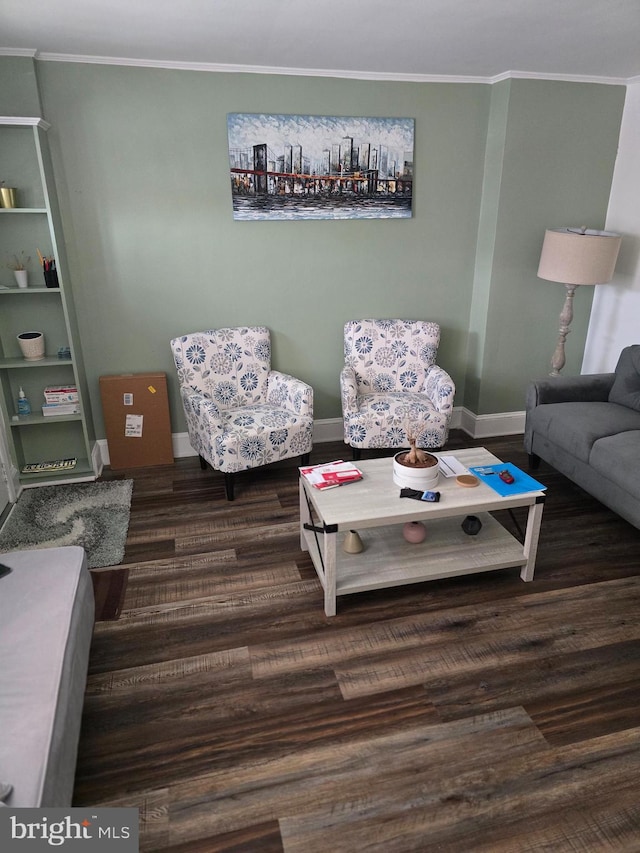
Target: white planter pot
(32, 345)
(21, 277)
(425, 479)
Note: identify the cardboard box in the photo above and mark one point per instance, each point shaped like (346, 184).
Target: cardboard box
(135, 407)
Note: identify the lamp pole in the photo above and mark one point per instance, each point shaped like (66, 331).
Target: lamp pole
(566, 316)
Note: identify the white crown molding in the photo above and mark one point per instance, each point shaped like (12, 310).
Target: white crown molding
(18, 51)
(220, 68)
(32, 121)
(566, 78)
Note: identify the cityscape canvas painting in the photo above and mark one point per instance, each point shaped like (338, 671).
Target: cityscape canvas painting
(320, 167)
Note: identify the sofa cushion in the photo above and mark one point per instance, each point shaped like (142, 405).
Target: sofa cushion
(614, 457)
(576, 426)
(626, 386)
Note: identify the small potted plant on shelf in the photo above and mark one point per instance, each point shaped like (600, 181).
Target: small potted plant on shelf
(19, 266)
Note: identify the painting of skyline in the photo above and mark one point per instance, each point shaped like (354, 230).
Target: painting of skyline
(292, 167)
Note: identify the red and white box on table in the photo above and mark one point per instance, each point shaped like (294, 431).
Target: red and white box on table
(331, 474)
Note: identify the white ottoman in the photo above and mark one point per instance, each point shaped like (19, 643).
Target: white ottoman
(46, 624)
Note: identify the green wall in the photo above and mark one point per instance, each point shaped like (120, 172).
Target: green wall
(559, 146)
(18, 87)
(142, 170)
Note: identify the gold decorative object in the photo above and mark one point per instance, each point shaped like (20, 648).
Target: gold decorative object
(8, 197)
(352, 543)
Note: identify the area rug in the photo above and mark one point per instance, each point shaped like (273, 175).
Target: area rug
(92, 515)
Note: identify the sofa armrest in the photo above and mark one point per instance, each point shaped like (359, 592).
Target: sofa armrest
(290, 393)
(588, 388)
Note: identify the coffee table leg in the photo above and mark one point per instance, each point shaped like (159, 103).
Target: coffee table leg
(327, 571)
(330, 546)
(534, 520)
(305, 516)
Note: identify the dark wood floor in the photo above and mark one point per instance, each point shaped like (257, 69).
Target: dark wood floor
(471, 714)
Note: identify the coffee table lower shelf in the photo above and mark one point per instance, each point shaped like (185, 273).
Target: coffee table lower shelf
(388, 560)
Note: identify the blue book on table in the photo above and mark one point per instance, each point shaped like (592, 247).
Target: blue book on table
(521, 482)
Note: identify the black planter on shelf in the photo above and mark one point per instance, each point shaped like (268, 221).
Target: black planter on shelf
(51, 277)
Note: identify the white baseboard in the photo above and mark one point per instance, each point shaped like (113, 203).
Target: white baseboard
(101, 451)
(485, 426)
(477, 426)
(330, 429)
(97, 457)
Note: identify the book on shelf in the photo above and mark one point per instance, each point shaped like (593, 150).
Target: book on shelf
(52, 409)
(328, 475)
(45, 467)
(61, 394)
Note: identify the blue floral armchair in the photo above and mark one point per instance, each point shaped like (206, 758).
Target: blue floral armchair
(390, 383)
(240, 414)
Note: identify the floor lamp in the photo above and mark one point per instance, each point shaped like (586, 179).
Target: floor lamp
(573, 257)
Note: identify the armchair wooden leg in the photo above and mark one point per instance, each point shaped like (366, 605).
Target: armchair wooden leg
(534, 461)
(228, 486)
(305, 459)
(203, 463)
(357, 453)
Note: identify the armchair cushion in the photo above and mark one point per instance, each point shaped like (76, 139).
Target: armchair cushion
(381, 421)
(257, 435)
(390, 355)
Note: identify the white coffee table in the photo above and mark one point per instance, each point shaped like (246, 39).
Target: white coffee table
(373, 507)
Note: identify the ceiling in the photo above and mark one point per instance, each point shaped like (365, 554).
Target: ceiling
(378, 39)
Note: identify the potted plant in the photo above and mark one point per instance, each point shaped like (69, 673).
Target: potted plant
(19, 267)
(415, 468)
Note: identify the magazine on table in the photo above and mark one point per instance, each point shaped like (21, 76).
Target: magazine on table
(328, 475)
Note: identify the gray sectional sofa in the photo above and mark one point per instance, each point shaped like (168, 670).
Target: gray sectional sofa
(588, 428)
(46, 625)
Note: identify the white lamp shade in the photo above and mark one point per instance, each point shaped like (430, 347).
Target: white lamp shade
(578, 256)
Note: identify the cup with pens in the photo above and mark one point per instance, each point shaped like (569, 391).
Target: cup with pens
(48, 264)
